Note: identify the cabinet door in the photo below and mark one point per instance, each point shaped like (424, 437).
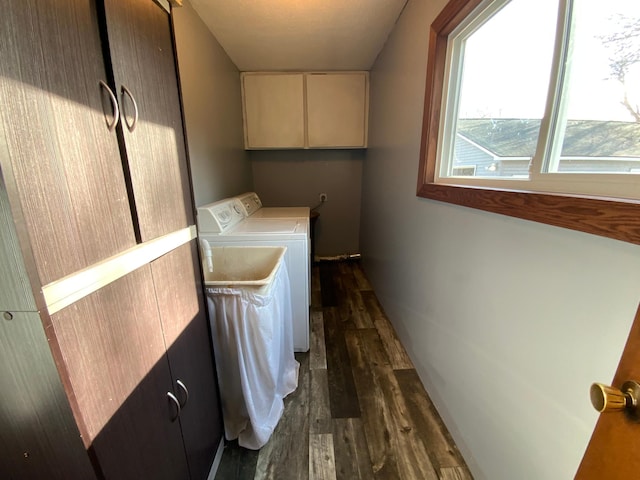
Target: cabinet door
(184, 322)
(38, 435)
(60, 161)
(143, 64)
(337, 109)
(273, 110)
(114, 355)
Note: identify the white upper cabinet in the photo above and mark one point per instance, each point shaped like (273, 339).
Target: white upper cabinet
(273, 107)
(305, 110)
(337, 110)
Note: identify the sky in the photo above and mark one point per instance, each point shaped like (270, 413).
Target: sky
(507, 62)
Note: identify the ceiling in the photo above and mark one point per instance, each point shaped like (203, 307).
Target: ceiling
(300, 35)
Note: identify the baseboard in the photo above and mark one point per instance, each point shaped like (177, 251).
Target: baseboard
(338, 258)
(216, 460)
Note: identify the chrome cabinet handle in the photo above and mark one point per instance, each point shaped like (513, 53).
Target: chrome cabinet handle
(186, 392)
(173, 398)
(132, 126)
(114, 105)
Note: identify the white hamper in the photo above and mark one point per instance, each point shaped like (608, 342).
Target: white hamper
(252, 334)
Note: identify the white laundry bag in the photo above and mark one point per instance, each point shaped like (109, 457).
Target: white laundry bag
(252, 334)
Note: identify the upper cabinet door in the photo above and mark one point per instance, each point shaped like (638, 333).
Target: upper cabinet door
(58, 157)
(337, 110)
(273, 110)
(140, 43)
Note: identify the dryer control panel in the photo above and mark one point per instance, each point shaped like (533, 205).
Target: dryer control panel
(250, 203)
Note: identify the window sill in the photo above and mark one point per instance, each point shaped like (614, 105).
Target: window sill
(612, 218)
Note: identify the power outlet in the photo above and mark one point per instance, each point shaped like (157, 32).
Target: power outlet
(323, 197)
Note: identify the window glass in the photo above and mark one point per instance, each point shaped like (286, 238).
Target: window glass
(502, 90)
(598, 124)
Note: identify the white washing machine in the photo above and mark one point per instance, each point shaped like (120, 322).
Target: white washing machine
(225, 223)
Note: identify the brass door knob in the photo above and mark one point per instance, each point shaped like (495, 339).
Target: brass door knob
(611, 399)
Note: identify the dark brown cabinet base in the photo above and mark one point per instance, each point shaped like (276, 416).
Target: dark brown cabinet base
(186, 334)
(114, 353)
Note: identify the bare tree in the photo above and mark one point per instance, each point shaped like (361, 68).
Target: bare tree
(624, 48)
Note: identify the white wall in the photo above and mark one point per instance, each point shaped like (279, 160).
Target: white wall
(507, 321)
(297, 177)
(213, 111)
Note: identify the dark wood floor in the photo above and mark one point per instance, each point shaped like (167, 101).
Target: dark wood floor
(360, 410)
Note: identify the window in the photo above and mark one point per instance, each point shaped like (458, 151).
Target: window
(497, 89)
(532, 109)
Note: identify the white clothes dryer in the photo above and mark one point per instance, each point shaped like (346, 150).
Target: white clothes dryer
(252, 206)
(224, 223)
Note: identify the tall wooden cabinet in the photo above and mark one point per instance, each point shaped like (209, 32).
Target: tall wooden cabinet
(119, 382)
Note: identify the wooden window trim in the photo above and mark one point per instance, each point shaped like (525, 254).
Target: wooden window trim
(608, 217)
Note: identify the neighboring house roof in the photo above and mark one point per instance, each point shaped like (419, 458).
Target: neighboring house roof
(507, 137)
